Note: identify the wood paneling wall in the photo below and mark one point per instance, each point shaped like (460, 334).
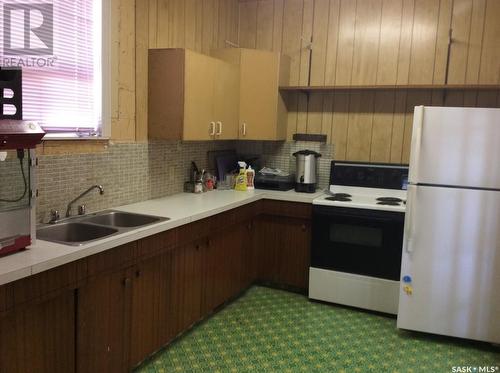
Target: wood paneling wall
(141, 24)
(376, 42)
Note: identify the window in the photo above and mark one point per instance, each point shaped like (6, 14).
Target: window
(61, 51)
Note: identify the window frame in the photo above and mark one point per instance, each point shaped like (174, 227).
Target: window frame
(106, 83)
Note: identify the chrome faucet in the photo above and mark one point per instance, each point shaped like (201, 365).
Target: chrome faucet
(98, 187)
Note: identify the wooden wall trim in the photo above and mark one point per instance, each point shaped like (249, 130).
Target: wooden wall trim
(376, 42)
(137, 25)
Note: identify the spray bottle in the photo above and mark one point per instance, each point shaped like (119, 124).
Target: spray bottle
(241, 179)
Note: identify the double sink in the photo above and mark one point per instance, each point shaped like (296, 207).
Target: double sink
(82, 230)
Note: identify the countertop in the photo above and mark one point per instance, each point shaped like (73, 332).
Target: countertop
(181, 208)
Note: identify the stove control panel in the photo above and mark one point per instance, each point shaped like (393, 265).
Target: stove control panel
(369, 175)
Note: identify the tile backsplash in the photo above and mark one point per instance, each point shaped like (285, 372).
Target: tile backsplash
(133, 172)
(129, 173)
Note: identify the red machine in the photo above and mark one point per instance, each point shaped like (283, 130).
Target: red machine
(18, 140)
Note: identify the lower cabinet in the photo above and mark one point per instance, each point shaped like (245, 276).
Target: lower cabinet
(248, 272)
(150, 312)
(124, 316)
(223, 264)
(103, 316)
(112, 310)
(282, 250)
(39, 337)
(186, 285)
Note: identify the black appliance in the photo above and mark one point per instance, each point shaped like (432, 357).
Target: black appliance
(11, 93)
(274, 182)
(360, 241)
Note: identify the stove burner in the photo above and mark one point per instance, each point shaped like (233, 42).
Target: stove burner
(338, 198)
(388, 203)
(341, 195)
(389, 199)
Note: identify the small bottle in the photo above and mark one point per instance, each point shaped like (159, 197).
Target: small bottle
(250, 178)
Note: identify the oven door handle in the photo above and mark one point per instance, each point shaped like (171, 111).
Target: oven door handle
(359, 218)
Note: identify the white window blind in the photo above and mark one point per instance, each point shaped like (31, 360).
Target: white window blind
(63, 91)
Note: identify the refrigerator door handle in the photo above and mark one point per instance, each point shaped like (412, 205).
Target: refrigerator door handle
(410, 205)
(416, 143)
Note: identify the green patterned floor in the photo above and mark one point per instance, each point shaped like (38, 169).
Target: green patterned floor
(269, 330)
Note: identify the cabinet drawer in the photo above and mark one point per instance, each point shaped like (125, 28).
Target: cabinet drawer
(156, 244)
(233, 217)
(45, 283)
(297, 210)
(223, 220)
(113, 259)
(247, 212)
(193, 231)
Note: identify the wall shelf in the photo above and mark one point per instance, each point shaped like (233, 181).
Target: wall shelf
(458, 87)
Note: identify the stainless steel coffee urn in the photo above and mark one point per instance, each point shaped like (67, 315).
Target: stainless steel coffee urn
(306, 174)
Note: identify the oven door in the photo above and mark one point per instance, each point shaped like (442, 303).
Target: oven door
(359, 241)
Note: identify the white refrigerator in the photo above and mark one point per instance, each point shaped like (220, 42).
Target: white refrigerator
(450, 273)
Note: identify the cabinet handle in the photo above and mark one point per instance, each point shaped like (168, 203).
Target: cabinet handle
(244, 129)
(138, 273)
(303, 227)
(219, 132)
(126, 282)
(212, 128)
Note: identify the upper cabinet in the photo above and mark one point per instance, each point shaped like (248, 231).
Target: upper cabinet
(262, 111)
(192, 96)
(233, 94)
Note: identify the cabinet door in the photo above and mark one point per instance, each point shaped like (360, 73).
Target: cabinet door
(259, 95)
(293, 252)
(103, 323)
(39, 337)
(199, 76)
(150, 307)
(226, 100)
(264, 258)
(283, 250)
(248, 273)
(222, 265)
(186, 286)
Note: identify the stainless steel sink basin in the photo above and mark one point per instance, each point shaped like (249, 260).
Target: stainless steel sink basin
(79, 230)
(74, 233)
(122, 219)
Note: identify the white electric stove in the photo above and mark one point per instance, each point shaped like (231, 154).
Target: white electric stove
(357, 236)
